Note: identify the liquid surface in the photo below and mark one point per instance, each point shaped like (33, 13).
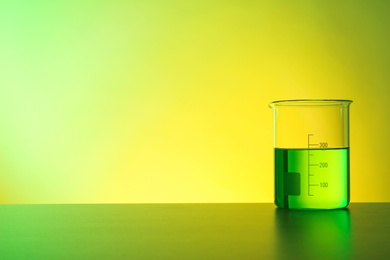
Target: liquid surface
(312, 178)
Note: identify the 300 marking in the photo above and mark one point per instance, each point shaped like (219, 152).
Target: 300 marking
(323, 144)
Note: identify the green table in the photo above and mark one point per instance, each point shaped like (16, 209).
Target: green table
(193, 231)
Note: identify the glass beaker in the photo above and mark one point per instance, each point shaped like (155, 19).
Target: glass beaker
(311, 141)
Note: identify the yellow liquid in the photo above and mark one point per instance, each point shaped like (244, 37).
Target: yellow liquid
(312, 178)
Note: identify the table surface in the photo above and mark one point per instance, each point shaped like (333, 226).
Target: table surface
(193, 231)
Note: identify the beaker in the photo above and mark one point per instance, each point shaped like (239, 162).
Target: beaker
(311, 142)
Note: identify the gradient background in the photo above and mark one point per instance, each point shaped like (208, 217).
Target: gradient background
(167, 101)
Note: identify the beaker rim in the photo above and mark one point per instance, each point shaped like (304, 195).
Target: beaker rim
(310, 102)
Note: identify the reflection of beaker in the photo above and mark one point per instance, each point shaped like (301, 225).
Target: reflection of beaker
(313, 234)
(311, 140)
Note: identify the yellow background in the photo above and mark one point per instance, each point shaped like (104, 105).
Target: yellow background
(167, 101)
